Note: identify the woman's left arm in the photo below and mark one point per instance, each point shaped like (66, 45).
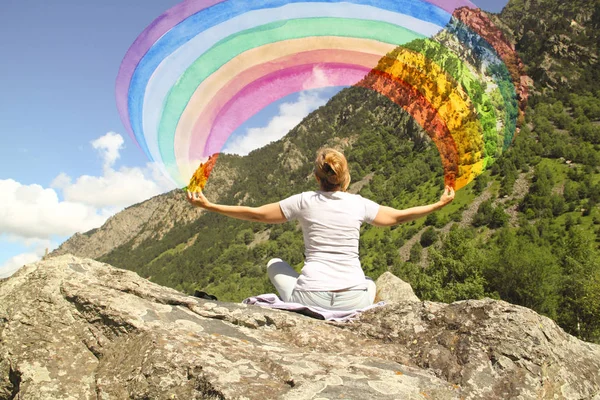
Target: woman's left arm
(388, 216)
(269, 213)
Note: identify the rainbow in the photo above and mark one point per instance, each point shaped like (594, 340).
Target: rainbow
(204, 67)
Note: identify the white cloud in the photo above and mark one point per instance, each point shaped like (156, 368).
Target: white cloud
(109, 146)
(34, 254)
(115, 189)
(32, 212)
(118, 189)
(318, 79)
(39, 244)
(289, 115)
(33, 215)
(61, 181)
(13, 264)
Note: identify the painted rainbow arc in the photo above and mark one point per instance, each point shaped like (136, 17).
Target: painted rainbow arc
(204, 67)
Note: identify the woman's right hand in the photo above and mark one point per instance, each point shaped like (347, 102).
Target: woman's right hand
(197, 199)
(447, 196)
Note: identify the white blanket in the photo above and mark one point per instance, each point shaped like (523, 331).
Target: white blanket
(273, 301)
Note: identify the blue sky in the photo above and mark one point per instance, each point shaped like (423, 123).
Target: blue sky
(66, 163)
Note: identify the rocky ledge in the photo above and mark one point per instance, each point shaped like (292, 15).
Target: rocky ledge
(74, 328)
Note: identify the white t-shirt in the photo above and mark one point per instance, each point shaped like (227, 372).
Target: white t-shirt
(331, 227)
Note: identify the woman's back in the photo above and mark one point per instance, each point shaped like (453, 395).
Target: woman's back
(331, 227)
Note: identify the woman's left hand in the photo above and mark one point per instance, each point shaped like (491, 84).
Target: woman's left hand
(447, 196)
(197, 199)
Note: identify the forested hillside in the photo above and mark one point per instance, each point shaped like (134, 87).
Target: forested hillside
(526, 231)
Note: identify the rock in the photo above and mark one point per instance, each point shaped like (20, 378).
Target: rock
(392, 289)
(491, 349)
(77, 328)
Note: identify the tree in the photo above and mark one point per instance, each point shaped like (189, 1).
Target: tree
(454, 271)
(571, 191)
(590, 308)
(484, 214)
(580, 285)
(415, 252)
(431, 219)
(428, 237)
(481, 183)
(524, 273)
(245, 236)
(498, 218)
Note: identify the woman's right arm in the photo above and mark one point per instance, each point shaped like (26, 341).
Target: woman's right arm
(388, 216)
(269, 213)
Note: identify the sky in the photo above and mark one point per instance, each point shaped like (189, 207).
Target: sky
(66, 161)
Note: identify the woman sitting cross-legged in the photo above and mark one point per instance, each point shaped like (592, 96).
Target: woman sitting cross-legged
(332, 277)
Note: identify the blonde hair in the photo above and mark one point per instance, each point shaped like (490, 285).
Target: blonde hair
(332, 170)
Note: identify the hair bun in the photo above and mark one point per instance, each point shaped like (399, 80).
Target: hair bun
(328, 169)
(331, 168)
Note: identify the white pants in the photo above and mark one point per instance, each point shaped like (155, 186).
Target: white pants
(284, 278)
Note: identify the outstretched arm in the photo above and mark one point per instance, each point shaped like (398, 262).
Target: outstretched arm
(269, 213)
(388, 216)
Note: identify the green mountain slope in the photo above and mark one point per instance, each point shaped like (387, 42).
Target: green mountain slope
(526, 231)
(390, 158)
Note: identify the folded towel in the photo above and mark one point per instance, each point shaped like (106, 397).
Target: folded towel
(273, 301)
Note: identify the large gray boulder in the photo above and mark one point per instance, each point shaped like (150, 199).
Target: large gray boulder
(74, 328)
(392, 289)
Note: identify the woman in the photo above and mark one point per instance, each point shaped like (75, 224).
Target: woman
(332, 277)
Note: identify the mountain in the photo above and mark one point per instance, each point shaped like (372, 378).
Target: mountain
(78, 328)
(526, 231)
(558, 41)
